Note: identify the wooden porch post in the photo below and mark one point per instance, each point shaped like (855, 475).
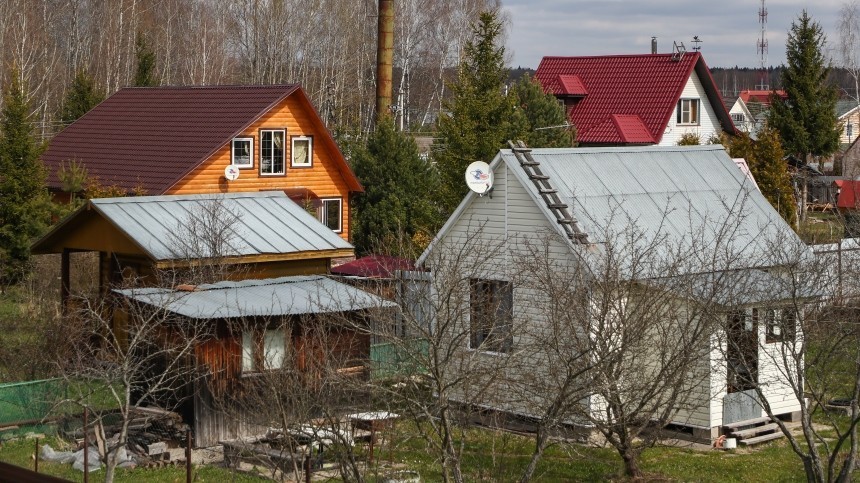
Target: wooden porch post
(65, 281)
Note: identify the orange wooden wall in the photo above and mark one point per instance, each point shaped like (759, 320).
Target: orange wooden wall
(297, 118)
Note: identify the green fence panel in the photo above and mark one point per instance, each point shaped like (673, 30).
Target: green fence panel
(31, 400)
(398, 358)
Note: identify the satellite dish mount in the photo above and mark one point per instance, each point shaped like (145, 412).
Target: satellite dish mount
(479, 178)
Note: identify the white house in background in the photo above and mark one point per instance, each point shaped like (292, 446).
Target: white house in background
(848, 114)
(636, 99)
(749, 109)
(681, 193)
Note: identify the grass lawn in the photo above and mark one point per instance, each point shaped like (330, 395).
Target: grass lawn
(501, 456)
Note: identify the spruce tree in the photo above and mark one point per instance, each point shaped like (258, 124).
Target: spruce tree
(82, 96)
(398, 185)
(764, 156)
(477, 119)
(539, 117)
(144, 76)
(806, 120)
(24, 201)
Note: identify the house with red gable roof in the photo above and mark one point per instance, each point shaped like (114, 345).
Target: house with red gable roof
(636, 99)
(749, 108)
(181, 140)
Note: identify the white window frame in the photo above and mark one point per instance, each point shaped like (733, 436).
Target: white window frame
(310, 141)
(324, 213)
(250, 163)
(272, 343)
(283, 151)
(685, 112)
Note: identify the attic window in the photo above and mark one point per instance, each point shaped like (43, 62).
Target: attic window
(243, 152)
(302, 152)
(688, 111)
(272, 151)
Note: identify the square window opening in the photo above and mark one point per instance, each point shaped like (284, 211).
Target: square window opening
(242, 152)
(688, 112)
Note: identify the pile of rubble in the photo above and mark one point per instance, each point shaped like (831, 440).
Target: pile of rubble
(155, 438)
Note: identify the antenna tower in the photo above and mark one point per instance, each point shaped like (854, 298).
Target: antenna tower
(761, 46)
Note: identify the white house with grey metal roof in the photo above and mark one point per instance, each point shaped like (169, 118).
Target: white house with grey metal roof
(683, 221)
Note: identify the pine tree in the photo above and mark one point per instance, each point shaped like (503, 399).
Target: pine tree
(24, 201)
(398, 185)
(82, 96)
(540, 118)
(806, 120)
(477, 120)
(144, 76)
(765, 159)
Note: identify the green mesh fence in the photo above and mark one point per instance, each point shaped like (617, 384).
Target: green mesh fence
(398, 359)
(29, 401)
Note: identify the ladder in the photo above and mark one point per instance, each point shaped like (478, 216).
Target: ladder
(548, 193)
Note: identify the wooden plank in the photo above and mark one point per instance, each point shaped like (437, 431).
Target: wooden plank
(761, 439)
(748, 422)
(756, 430)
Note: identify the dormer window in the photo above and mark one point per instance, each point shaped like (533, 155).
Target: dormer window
(688, 111)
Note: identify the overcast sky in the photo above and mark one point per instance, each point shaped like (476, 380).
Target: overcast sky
(728, 28)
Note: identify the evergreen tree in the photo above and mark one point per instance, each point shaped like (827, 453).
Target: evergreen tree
(82, 96)
(477, 120)
(398, 187)
(806, 120)
(144, 76)
(765, 159)
(24, 201)
(539, 117)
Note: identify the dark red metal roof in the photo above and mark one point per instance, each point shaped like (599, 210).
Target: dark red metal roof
(153, 137)
(760, 96)
(629, 87)
(374, 266)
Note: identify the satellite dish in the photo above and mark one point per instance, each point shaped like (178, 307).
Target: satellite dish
(231, 173)
(479, 178)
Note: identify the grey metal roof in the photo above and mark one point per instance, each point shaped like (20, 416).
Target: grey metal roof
(740, 287)
(260, 298)
(169, 227)
(690, 196)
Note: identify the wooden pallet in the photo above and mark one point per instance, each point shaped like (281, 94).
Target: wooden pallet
(753, 431)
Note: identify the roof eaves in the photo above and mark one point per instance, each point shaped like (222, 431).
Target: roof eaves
(289, 92)
(713, 95)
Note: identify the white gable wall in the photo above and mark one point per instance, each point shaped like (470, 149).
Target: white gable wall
(708, 125)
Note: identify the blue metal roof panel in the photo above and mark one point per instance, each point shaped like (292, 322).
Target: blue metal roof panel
(274, 297)
(262, 223)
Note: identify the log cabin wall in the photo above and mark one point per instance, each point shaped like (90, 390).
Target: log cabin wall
(295, 116)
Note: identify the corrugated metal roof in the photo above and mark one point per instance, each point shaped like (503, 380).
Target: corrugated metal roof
(647, 86)
(694, 196)
(738, 287)
(263, 223)
(260, 298)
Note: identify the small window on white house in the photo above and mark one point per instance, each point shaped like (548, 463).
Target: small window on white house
(491, 315)
(302, 151)
(738, 117)
(266, 354)
(243, 152)
(781, 324)
(688, 111)
(331, 213)
(849, 130)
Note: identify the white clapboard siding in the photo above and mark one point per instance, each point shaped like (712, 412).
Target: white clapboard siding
(709, 124)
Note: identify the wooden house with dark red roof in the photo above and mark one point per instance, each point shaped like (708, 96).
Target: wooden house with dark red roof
(180, 140)
(636, 99)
